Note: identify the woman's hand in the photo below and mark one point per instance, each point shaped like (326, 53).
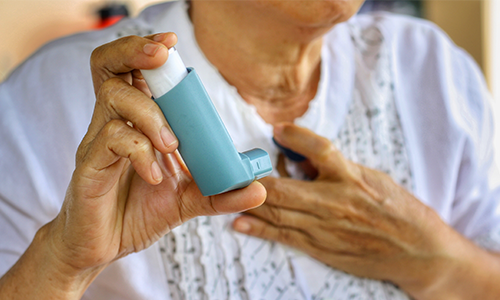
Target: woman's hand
(123, 197)
(355, 219)
(129, 187)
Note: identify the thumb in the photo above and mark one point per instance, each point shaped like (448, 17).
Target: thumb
(239, 200)
(320, 152)
(194, 205)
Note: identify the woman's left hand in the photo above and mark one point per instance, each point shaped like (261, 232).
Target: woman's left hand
(352, 218)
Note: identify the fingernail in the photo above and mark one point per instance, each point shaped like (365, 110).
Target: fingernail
(159, 37)
(242, 226)
(151, 49)
(167, 137)
(156, 171)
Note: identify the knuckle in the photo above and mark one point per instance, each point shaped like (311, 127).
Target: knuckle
(96, 55)
(152, 110)
(130, 39)
(326, 150)
(274, 189)
(118, 129)
(110, 89)
(142, 145)
(352, 172)
(114, 128)
(319, 204)
(275, 215)
(127, 42)
(353, 175)
(112, 93)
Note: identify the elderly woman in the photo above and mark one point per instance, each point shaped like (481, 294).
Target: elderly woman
(393, 202)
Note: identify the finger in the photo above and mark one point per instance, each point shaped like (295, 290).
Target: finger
(118, 100)
(121, 56)
(333, 251)
(322, 154)
(239, 200)
(140, 83)
(288, 236)
(173, 165)
(230, 202)
(295, 195)
(323, 200)
(169, 39)
(116, 144)
(281, 217)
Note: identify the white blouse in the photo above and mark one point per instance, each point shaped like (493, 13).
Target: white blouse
(395, 95)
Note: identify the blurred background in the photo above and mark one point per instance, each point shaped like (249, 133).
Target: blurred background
(25, 25)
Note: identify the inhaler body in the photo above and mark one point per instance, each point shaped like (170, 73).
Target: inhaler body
(204, 143)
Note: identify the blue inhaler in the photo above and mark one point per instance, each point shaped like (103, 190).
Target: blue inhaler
(204, 143)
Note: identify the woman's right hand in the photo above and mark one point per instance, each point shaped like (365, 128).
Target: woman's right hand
(129, 187)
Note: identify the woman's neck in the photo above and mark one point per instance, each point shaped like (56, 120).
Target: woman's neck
(276, 68)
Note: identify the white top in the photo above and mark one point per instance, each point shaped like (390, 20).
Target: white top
(395, 94)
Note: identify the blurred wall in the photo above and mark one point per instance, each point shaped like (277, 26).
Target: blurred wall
(462, 20)
(491, 34)
(25, 25)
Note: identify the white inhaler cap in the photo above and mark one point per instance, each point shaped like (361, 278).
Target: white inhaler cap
(163, 79)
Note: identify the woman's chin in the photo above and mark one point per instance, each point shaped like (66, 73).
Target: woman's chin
(314, 13)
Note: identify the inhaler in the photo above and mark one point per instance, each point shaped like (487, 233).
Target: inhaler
(204, 143)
